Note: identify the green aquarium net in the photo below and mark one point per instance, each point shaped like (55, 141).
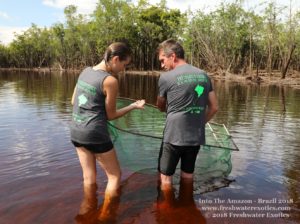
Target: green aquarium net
(137, 138)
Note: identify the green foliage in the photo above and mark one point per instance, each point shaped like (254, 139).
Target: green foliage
(231, 38)
(32, 48)
(3, 56)
(112, 21)
(228, 38)
(156, 24)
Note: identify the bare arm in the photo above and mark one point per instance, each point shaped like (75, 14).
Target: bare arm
(73, 96)
(212, 106)
(161, 103)
(110, 88)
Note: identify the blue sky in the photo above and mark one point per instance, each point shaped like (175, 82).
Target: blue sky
(18, 15)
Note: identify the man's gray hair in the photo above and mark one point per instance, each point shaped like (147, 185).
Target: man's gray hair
(171, 46)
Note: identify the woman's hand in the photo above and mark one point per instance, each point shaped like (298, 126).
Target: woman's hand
(139, 104)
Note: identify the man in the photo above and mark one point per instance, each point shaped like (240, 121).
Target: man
(187, 96)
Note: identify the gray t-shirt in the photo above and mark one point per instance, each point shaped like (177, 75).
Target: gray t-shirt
(89, 120)
(186, 89)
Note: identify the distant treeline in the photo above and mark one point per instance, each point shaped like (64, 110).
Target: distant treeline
(228, 38)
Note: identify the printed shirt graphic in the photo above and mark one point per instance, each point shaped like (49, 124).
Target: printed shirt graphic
(199, 89)
(82, 100)
(186, 89)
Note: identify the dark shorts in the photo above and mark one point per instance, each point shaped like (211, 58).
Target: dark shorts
(169, 156)
(95, 148)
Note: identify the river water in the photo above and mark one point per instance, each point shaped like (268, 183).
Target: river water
(41, 182)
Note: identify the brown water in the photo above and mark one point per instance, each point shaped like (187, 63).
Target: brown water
(40, 178)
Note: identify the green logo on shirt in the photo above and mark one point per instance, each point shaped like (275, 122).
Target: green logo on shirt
(82, 99)
(199, 90)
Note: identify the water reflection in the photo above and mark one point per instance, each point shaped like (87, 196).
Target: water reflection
(282, 98)
(42, 89)
(139, 86)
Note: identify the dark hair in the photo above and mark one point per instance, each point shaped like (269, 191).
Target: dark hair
(117, 49)
(171, 46)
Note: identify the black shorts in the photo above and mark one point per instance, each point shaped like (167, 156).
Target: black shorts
(96, 148)
(169, 156)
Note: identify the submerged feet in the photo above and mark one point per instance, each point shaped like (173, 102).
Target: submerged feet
(108, 210)
(89, 204)
(181, 209)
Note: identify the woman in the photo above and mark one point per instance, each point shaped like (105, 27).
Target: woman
(94, 102)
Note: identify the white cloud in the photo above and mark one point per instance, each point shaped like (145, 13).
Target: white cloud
(83, 6)
(4, 15)
(7, 34)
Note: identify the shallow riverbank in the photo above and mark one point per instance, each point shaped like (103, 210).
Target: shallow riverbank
(292, 79)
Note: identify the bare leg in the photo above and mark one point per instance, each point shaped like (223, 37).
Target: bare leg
(187, 203)
(186, 175)
(166, 202)
(186, 188)
(88, 165)
(109, 162)
(166, 181)
(167, 197)
(186, 196)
